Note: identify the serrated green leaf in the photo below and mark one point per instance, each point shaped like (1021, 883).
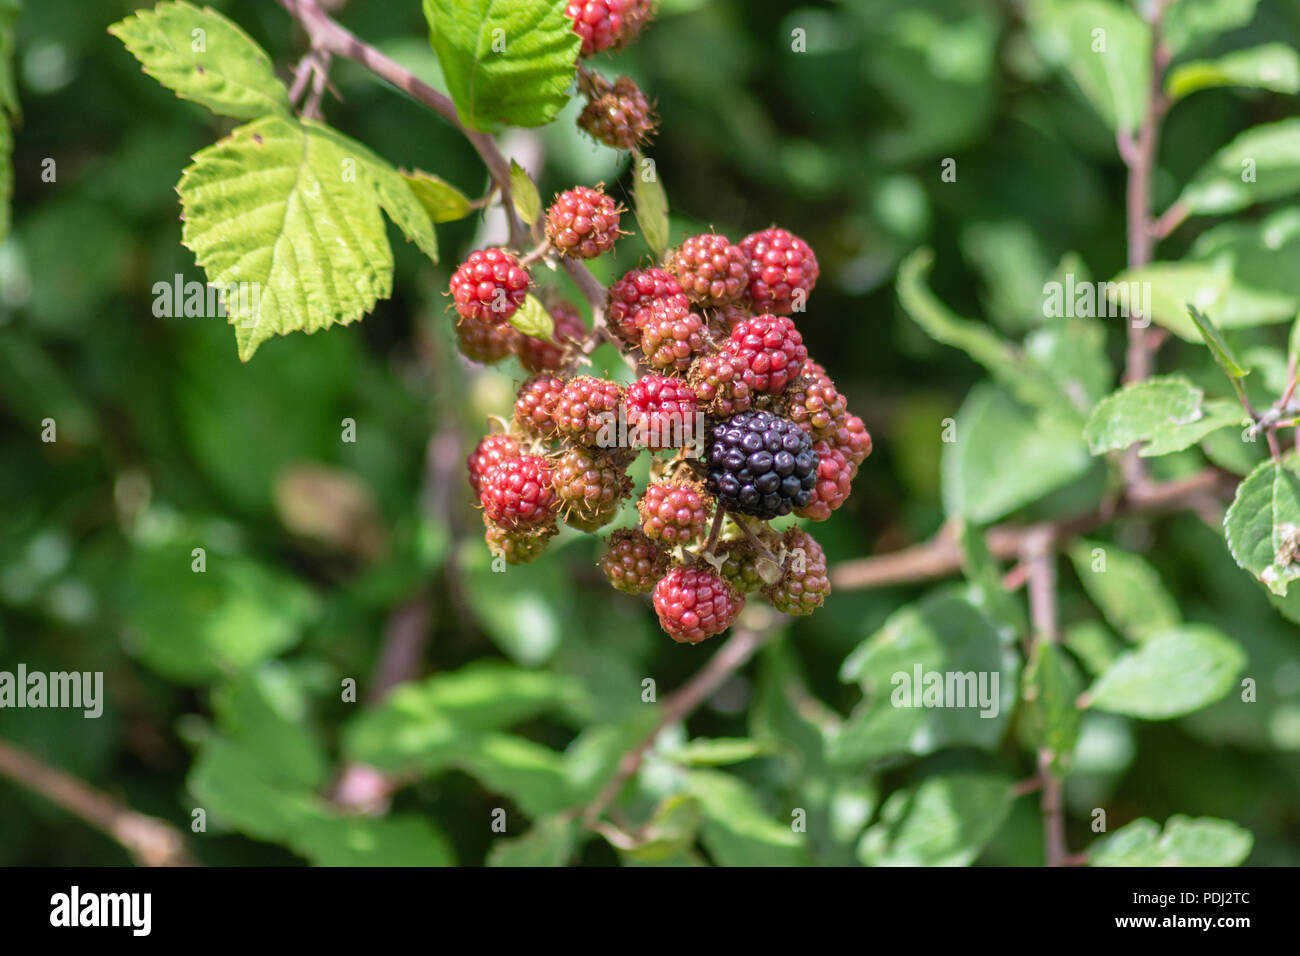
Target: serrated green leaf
(1030, 383)
(651, 205)
(1170, 674)
(1262, 525)
(531, 318)
(507, 62)
(944, 821)
(1262, 163)
(1272, 66)
(1191, 22)
(200, 55)
(550, 842)
(992, 429)
(1167, 414)
(293, 212)
(1051, 686)
(1106, 48)
(737, 831)
(1170, 286)
(528, 201)
(1186, 841)
(1218, 347)
(442, 201)
(942, 638)
(1126, 589)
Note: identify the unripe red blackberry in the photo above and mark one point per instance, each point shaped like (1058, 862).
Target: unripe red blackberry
(587, 407)
(813, 402)
(517, 547)
(489, 286)
(608, 24)
(710, 270)
(535, 406)
(760, 464)
(675, 512)
(633, 292)
(632, 562)
(619, 116)
(517, 494)
(542, 355)
(671, 335)
(694, 603)
(770, 349)
(782, 271)
(805, 585)
(850, 436)
(486, 342)
(491, 450)
(834, 482)
(720, 386)
(583, 222)
(590, 486)
(660, 412)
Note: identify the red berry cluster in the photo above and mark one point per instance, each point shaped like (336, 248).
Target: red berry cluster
(742, 425)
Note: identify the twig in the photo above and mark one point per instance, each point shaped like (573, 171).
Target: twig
(679, 705)
(941, 555)
(1039, 555)
(150, 841)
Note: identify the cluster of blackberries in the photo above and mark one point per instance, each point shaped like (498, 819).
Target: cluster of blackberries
(743, 427)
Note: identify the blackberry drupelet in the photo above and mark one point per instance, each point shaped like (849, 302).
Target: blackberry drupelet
(761, 464)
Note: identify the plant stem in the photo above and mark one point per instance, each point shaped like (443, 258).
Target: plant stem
(150, 841)
(1039, 555)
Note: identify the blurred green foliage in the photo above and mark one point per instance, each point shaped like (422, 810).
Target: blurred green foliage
(224, 687)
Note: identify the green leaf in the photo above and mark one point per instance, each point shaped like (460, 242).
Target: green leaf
(651, 205)
(1107, 49)
(1218, 347)
(1191, 22)
(992, 429)
(943, 821)
(1074, 351)
(550, 842)
(442, 201)
(716, 751)
(532, 776)
(193, 626)
(1031, 384)
(292, 211)
(507, 62)
(265, 711)
(1264, 289)
(671, 831)
(234, 785)
(985, 577)
(1263, 524)
(1094, 644)
(737, 831)
(200, 55)
(1168, 414)
(1186, 841)
(937, 674)
(401, 840)
(9, 109)
(1169, 675)
(528, 202)
(1165, 289)
(1272, 66)
(1262, 163)
(531, 318)
(1126, 589)
(429, 723)
(1051, 718)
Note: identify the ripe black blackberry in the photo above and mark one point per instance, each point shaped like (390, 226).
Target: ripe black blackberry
(761, 464)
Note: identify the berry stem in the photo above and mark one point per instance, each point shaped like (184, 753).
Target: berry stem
(759, 547)
(714, 531)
